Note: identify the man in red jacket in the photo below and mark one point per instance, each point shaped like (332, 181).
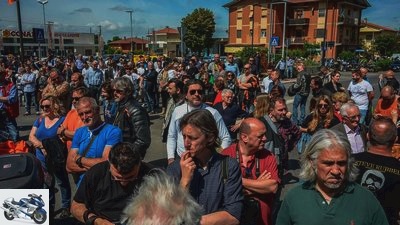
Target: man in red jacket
(9, 108)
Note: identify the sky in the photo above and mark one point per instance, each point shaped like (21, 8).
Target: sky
(87, 15)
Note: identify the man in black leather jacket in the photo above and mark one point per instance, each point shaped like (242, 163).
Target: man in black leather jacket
(131, 118)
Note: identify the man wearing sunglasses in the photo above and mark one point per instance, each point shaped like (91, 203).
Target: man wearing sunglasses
(109, 185)
(259, 169)
(351, 128)
(193, 90)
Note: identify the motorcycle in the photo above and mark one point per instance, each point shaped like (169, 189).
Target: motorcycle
(25, 208)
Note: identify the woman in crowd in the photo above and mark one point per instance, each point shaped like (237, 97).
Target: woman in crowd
(322, 117)
(109, 105)
(45, 128)
(334, 86)
(338, 99)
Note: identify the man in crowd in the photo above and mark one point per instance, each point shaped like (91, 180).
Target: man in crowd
(259, 170)
(361, 92)
(176, 206)
(388, 79)
(387, 104)
(9, 107)
(351, 129)
(275, 78)
(92, 142)
(194, 100)
(230, 65)
(131, 117)
(177, 98)
(213, 66)
(379, 170)
(316, 87)
(200, 170)
(329, 194)
(281, 66)
(72, 120)
(109, 185)
(93, 80)
(150, 84)
(282, 134)
(267, 81)
(300, 99)
(57, 87)
(29, 83)
(253, 67)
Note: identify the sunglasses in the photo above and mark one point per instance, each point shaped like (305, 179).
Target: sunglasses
(246, 68)
(118, 91)
(45, 106)
(76, 98)
(323, 106)
(199, 91)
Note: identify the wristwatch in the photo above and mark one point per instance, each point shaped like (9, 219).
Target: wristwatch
(79, 161)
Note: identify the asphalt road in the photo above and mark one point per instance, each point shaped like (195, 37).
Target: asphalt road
(156, 153)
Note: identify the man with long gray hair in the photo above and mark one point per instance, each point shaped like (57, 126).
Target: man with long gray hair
(160, 200)
(329, 194)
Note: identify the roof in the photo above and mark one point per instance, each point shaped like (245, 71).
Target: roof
(378, 27)
(362, 3)
(167, 30)
(129, 40)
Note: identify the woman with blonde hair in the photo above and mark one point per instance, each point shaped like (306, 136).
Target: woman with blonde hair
(322, 117)
(261, 104)
(44, 134)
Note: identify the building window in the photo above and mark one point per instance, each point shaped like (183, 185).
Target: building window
(319, 33)
(239, 34)
(56, 41)
(239, 15)
(298, 14)
(321, 12)
(264, 13)
(368, 37)
(263, 33)
(68, 41)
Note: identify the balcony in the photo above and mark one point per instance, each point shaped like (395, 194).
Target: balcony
(299, 22)
(297, 40)
(348, 21)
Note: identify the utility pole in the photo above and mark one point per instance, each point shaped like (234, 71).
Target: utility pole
(100, 40)
(21, 43)
(130, 11)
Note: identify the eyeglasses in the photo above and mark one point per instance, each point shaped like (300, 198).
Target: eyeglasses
(323, 106)
(54, 79)
(353, 118)
(45, 106)
(246, 68)
(199, 92)
(76, 98)
(119, 91)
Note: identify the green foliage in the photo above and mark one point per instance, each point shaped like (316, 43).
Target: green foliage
(248, 52)
(386, 45)
(383, 64)
(347, 55)
(199, 28)
(116, 38)
(297, 53)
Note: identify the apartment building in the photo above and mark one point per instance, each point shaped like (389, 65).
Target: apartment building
(289, 24)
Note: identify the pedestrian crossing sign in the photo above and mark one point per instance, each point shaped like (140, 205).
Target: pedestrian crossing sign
(274, 41)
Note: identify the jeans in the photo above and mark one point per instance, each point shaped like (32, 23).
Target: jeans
(29, 98)
(299, 100)
(150, 99)
(363, 115)
(12, 128)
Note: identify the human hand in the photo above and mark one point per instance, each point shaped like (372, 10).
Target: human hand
(187, 167)
(264, 175)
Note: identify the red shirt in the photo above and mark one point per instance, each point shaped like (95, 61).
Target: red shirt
(218, 98)
(267, 162)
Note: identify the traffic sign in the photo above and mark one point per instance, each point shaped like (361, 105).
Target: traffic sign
(38, 35)
(274, 41)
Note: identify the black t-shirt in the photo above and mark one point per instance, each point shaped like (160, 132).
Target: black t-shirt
(381, 175)
(105, 196)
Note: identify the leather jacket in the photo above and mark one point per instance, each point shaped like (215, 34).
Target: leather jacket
(134, 122)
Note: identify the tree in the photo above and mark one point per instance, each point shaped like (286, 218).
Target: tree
(386, 45)
(199, 27)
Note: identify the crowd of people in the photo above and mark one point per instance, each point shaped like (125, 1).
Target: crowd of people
(227, 131)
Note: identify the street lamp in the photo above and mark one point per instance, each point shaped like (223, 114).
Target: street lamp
(130, 11)
(43, 2)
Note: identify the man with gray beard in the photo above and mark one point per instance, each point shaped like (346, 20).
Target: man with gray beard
(329, 194)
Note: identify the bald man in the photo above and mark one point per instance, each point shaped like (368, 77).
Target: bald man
(387, 104)
(259, 170)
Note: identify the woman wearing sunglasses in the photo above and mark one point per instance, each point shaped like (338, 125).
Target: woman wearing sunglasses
(43, 130)
(322, 117)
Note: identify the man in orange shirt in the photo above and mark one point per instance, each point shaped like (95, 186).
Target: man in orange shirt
(387, 104)
(72, 120)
